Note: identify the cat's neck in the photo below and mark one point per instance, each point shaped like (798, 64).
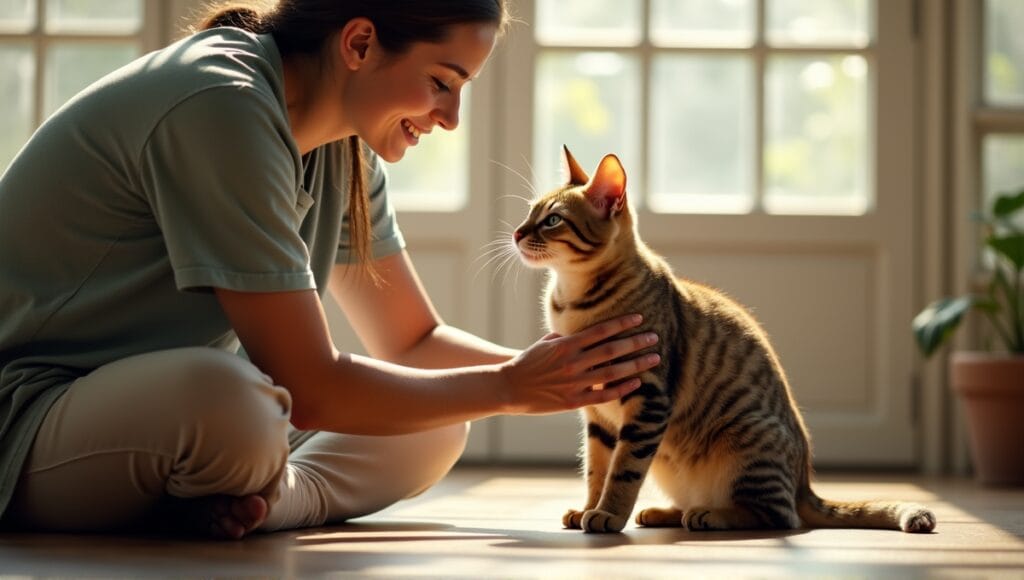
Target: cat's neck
(580, 283)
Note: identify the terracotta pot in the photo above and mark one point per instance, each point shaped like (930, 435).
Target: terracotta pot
(991, 387)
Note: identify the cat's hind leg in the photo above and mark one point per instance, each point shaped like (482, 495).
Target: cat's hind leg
(660, 518)
(752, 516)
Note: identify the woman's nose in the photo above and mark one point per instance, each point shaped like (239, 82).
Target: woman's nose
(447, 115)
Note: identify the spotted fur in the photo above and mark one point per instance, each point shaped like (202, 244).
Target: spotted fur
(715, 424)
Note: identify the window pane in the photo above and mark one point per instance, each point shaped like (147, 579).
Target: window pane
(1004, 52)
(433, 175)
(17, 71)
(588, 101)
(17, 15)
(94, 16)
(591, 22)
(701, 147)
(818, 22)
(816, 142)
(703, 22)
(72, 66)
(1003, 163)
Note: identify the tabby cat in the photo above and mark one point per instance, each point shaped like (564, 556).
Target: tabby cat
(715, 424)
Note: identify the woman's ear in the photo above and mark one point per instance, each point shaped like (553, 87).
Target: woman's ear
(356, 38)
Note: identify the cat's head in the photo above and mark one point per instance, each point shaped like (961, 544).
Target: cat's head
(576, 225)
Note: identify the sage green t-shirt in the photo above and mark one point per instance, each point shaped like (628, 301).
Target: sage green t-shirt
(168, 177)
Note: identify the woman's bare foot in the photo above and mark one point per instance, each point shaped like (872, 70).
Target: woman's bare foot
(234, 517)
(224, 517)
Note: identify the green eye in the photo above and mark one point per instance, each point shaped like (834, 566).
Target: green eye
(552, 220)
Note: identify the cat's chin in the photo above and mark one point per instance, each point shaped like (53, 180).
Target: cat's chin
(531, 260)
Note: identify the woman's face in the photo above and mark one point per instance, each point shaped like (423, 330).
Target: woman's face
(394, 101)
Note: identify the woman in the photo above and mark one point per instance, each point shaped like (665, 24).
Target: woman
(201, 197)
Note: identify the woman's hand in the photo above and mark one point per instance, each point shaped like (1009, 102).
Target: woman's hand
(558, 373)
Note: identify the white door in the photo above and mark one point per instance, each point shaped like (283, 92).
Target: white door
(769, 145)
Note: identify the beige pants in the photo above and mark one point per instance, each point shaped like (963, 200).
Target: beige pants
(196, 422)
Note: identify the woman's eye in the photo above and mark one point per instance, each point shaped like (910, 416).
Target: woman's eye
(552, 220)
(440, 85)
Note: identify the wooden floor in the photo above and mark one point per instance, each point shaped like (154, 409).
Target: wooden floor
(488, 523)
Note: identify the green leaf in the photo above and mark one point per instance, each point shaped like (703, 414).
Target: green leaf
(1010, 247)
(936, 323)
(1008, 203)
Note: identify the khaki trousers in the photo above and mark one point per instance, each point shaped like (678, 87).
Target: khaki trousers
(195, 422)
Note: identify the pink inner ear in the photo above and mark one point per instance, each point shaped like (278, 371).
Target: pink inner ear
(607, 190)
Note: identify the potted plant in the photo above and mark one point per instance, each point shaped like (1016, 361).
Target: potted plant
(990, 383)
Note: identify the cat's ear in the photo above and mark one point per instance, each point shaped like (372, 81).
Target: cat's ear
(573, 170)
(607, 190)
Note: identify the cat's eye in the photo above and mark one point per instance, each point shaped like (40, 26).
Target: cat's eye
(552, 220)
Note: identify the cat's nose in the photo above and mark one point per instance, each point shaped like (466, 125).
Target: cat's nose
(518, 235)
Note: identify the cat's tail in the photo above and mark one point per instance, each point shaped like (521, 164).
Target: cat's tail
(822, 513)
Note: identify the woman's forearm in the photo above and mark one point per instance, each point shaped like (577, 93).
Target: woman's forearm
(366, 396)
(449, 347)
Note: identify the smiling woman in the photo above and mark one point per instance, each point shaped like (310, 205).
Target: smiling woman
(123, 396)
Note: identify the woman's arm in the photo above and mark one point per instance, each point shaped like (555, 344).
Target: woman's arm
(285, 334)
(397, 322)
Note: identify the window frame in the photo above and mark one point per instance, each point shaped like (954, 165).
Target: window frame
(759, 52)
(974, 120)
(147, 37)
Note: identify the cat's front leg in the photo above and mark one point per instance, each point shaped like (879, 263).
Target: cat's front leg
(645, 414)
(598, 443)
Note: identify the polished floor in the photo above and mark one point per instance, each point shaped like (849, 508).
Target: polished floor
(501, 523)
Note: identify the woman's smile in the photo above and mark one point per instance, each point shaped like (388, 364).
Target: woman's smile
(412, 132)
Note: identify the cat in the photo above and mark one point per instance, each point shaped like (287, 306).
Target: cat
(715, 424)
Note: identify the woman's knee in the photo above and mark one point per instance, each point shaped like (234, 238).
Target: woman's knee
(234, 423)
(439, 450)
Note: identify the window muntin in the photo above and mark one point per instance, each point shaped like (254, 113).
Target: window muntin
(52, 49)
(581, 98)
(1003, 53)
(1001, 113)
(752, 106)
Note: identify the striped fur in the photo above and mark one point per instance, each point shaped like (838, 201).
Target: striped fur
(715, 425)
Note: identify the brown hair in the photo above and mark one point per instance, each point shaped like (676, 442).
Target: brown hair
(305, 26)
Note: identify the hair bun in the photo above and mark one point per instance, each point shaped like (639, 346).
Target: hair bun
(244, 17)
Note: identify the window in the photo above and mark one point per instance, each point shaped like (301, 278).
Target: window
(51, 49)
(1000, 118)
(736, 106)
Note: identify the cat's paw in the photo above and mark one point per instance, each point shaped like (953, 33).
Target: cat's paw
(660, 518)
(573, 520)
(602, 522)
(699, 520)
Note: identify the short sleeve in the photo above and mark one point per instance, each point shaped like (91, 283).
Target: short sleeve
(386, 236)
(222, 178)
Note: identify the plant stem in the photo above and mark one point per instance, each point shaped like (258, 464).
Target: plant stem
(1015, 309)
(1007, 337)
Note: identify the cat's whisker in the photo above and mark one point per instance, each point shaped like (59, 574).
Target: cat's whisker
(533, 174)
(499, 249)
(495, 256)
(506, 264)
(529, 185)
(514, 196)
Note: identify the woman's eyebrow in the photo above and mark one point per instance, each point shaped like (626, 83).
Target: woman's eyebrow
(457, 69)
